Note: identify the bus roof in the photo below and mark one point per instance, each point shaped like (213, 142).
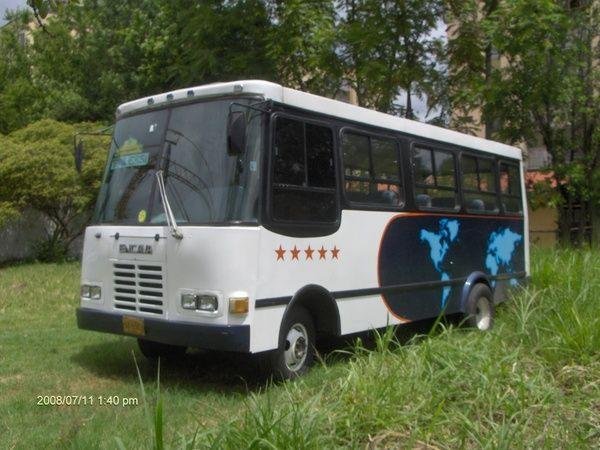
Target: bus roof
(311, 102)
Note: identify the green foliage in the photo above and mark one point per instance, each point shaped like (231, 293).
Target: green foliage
(37, 171)
(86, 57)
(467, 55)
(221, 41)
(18, 96)
(543, 195)
(48, 250)
(303, 43)
(543, 86)
(90, 56)
(388, 47)
(550, 88)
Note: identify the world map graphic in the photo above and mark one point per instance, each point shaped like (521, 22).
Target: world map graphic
(500, 249)
(439, 244)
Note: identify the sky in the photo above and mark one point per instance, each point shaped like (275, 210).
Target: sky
(9, 4)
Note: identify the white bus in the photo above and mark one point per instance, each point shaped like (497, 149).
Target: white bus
(249, 217)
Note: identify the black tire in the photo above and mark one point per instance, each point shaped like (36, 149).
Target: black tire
(293, 359)
(154, 350)
(479, 309)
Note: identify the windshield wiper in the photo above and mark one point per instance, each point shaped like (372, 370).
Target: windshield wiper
(168, 211)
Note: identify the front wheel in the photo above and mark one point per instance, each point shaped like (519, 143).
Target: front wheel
(154, 350)
(479, 309)
(296, 351)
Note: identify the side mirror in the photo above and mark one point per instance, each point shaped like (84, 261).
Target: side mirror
(236, 133)
(78, 154)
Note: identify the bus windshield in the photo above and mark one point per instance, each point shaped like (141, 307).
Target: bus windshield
(204, 184)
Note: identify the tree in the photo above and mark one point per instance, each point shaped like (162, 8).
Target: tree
(549, 86)
(303, 45)
(19, 98)
(92, 55)
(388, 47)
(469, 58)
(223, 41)
(37, 171)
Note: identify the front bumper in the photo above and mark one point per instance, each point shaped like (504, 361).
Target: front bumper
(234, 338)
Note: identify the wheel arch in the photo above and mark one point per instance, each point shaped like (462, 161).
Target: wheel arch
(473, 279)
(322, 307)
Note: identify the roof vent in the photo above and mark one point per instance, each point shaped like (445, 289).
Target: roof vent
(151, 101)
(237, 88)
(190, 93)
(170, 97)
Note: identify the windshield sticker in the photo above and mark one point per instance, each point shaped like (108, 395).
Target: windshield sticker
(140, 159)
(130, 146)
(142, 216)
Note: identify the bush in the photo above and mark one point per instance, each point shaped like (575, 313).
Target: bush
(37, 171)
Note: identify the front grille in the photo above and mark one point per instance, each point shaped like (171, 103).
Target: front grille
(138, 287)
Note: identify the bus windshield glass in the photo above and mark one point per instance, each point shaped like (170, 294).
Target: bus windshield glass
(204, 184)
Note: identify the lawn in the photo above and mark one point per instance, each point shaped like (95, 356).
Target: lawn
(534, 381)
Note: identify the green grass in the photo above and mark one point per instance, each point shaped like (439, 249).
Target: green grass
(533, 382)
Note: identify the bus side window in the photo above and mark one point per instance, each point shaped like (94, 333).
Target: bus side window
(303, 187)
(386, 171)
(357, 167)
(289, 167)
(510, 188)
(435, 179)
(371, 170)
(479, 184)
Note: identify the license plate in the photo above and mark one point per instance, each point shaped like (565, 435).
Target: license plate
(133, 325)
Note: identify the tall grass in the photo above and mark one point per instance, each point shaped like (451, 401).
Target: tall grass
(531, 382)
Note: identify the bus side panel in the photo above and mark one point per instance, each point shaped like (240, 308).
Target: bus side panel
(439, 252)
(344, 263)
(380, 257)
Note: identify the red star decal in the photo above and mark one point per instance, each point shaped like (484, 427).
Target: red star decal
(334, 252)
(295, 252)
(309, 251)
(322, 253)
(280, 252)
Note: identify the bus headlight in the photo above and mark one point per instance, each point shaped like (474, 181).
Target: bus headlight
(188, 301)
(91, 291)
(95, 292)
(199, 302)
(208, 303)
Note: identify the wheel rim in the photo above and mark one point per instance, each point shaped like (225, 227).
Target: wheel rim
(296, 347)
(483, 313)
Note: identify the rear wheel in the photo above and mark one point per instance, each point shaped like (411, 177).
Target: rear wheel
(154, 350)
(479, 310)
(296, 350)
